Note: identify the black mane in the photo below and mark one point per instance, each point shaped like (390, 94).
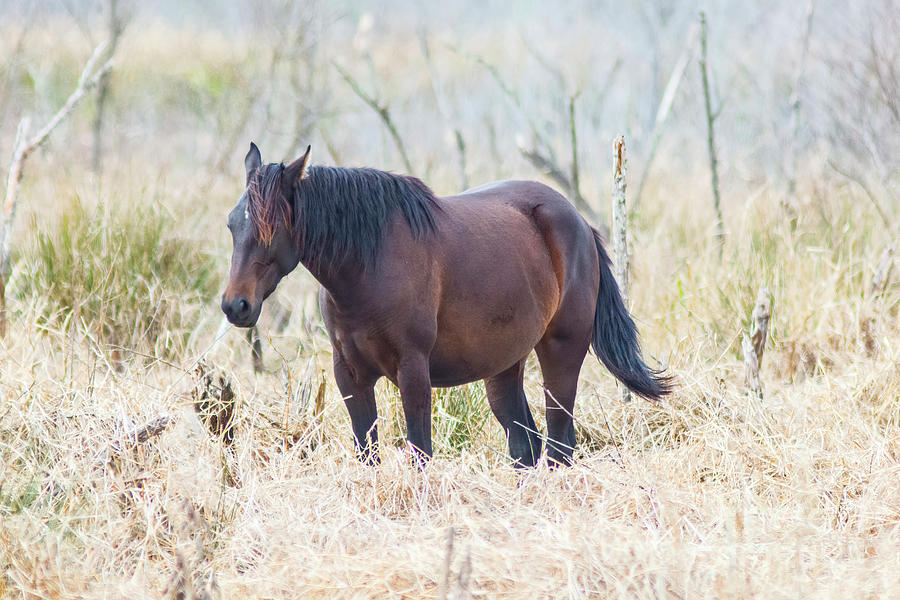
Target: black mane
(340, 214)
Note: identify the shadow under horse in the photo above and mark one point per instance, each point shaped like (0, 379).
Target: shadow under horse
(430, 291)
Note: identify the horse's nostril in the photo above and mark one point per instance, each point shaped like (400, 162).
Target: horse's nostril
(242, 305)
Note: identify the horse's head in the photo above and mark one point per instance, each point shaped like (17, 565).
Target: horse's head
(261, 229)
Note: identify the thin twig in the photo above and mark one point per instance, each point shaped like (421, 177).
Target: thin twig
(545, 163)
(573, 140)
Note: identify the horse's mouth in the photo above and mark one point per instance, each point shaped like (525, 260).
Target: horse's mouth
(244, 323)
(248, 321)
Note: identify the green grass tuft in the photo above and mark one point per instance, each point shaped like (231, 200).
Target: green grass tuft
(121, 272)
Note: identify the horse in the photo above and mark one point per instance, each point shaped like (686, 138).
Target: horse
(438, 291)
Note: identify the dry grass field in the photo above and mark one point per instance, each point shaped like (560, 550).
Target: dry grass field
(712, 493)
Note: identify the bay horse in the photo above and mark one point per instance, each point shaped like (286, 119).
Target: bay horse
(430, 291)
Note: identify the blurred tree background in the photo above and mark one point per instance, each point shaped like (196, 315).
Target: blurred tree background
(804, 97)
(195, 81)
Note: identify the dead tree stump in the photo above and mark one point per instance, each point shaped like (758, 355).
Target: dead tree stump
(754, 345)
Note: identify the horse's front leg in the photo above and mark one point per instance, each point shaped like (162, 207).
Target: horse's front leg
(359, 397)
(414, 381)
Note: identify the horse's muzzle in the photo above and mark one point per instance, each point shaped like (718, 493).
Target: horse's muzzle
(239, 311)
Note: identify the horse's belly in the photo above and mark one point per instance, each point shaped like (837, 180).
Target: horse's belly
(482, 341)
(459, 370)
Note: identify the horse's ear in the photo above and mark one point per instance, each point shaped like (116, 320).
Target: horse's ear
(296, 170)
(253, 160)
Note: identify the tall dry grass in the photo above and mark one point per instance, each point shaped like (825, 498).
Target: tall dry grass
(711, 493)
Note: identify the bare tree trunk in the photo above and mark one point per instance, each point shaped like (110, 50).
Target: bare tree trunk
(620, 229)
(795, 101)
(710, 138)
(23, 149)
(116, 26)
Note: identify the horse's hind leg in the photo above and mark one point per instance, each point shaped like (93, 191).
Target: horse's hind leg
(561, 358)
(506, 395)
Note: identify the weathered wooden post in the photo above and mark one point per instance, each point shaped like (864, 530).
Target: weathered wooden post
(619, 231)
(754, 345)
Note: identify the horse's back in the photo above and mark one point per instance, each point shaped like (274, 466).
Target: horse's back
(566, 238)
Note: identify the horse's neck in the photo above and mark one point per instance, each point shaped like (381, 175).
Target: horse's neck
(342, 283)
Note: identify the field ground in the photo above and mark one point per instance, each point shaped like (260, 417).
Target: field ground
(713, 493)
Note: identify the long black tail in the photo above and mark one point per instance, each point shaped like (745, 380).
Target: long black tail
(614, 338)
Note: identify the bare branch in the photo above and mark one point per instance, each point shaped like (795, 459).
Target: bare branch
(132, 438)
(546, 164)
(858, 180)
(540, 153)
(542, 60)
(662, 112)
(382, 110)
(517, 103)
(23, 149)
